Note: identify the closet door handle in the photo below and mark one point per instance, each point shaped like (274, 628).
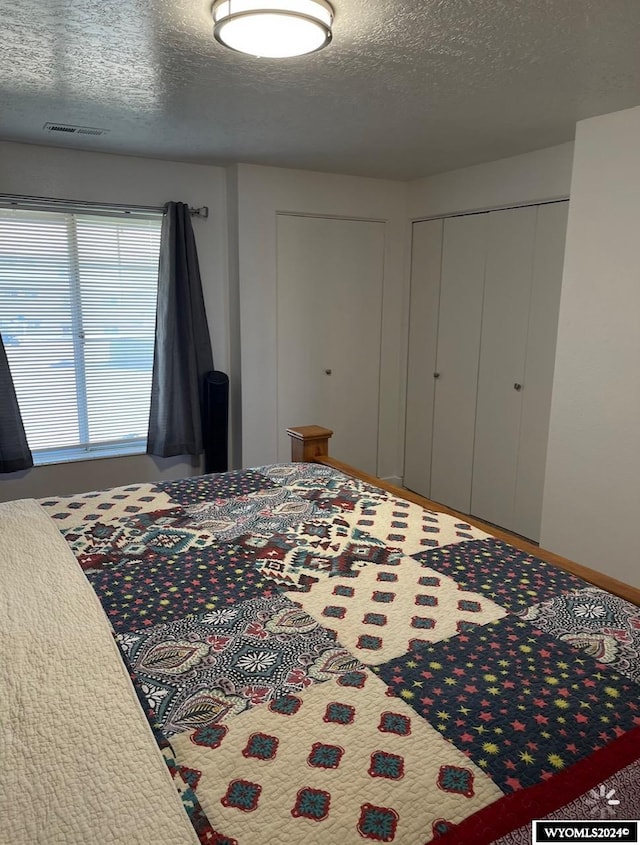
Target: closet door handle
(517, 386)
(436, 375)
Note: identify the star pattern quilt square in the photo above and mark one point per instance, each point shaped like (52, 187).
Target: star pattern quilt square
(520, 703)
(208, 488)
(511, 578)
(201, 580)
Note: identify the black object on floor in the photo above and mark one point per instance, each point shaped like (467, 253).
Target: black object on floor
(216, 421)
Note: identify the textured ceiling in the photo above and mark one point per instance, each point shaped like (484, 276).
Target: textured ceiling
(407, 88)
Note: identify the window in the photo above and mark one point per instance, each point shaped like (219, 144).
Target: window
(77, 316)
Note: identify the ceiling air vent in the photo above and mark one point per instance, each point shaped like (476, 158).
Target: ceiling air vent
(67, 129)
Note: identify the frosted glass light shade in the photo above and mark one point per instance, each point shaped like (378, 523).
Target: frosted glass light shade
(273, 28)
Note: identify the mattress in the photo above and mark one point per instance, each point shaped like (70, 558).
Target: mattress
(320, 661)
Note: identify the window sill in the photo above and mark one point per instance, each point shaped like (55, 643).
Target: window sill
(81, 453)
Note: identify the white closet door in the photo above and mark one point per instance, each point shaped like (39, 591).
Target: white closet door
(461, 284)
(329, 278)
(538, 374)
(426, 252)
(509, 263)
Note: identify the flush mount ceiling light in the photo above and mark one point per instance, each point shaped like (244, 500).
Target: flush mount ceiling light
(273, 28)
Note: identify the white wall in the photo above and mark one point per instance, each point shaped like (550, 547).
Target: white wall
(528, 178)
(235, 357)
(96, 177)
(98, 474)
(237, 247)
(262, 192)
(592, 491)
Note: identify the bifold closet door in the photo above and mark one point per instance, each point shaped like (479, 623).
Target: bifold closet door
(507, 288)
(426, 255)
(548, 260)
(485, 293)
(525, 249)
(458, 347)
(329, 287)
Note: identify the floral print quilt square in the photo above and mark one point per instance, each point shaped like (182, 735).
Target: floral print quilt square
(202, 670)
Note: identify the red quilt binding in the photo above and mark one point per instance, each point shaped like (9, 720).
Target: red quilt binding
(518, 808)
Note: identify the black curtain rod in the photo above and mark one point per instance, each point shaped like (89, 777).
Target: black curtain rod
(56, 202)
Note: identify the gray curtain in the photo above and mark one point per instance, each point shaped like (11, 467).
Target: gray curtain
(14, 449)
(182, 354)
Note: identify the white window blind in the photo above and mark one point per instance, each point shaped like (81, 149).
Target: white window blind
(77, 316)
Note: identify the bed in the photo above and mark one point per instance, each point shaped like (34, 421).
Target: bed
(294, 653)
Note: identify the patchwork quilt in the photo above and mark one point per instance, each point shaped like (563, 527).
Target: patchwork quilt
(323, 662)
